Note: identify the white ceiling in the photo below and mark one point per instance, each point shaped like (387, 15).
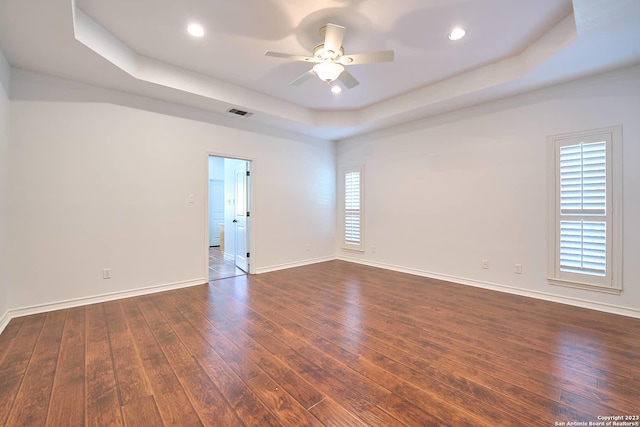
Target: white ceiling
(141, 47)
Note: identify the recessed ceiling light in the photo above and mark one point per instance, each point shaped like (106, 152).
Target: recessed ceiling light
(457, 34)
(195, 30)
(336, 89)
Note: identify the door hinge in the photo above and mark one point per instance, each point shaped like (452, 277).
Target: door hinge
(248, 214)
(248, 255)
(248, 173)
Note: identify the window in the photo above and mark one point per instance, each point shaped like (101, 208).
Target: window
(585, 217)
(353, 188)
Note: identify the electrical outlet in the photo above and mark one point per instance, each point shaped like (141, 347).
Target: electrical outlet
(106, 273)
(374, 249)
(307, 248)
(485, 264)
(192, 198)
(517, 268)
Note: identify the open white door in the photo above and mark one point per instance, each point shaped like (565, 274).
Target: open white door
(241, 219)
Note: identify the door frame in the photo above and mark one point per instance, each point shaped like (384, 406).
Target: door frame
(250, 188)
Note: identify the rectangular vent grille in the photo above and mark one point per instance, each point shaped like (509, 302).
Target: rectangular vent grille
(240, 112)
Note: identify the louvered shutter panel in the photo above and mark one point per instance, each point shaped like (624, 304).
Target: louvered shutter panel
(352, 219)
(583, 194)
(583, 179)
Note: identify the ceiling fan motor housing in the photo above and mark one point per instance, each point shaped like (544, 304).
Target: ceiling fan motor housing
(323, 54)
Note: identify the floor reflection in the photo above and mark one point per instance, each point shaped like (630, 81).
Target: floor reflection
(578, 354)
(221, 268)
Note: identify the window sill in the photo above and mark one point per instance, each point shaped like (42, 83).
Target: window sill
(353, 250)
(585, 286)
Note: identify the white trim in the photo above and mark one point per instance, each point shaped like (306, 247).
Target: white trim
(586, 286)
(617, 206)
(76, 302)
(353, 251)
(577, 302)
(4, 320)
(294, 264)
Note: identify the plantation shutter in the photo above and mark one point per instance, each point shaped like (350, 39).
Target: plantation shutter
(353, 207)
(583, 208)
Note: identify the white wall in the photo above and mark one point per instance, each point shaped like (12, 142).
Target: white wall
(98, 185)
(444, 193)
(5, 73)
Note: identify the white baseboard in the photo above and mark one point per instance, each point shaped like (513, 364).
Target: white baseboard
(4, 320)
(607, 308)
(294, 264)
(70, 303)
(42, 308)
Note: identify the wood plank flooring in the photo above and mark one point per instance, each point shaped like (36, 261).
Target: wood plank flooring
(334, 344)
(219, 267)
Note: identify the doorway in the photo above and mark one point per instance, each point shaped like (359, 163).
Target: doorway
(228, 217)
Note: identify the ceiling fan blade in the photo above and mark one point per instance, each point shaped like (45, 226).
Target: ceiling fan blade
(303, 78)
(367, 58)
(348, 80)
(333, 36)
(290, 56)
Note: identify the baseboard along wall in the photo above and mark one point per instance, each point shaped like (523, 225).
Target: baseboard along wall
(43, 308)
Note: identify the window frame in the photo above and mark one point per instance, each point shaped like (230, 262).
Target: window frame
(611, 282)
(359, 247)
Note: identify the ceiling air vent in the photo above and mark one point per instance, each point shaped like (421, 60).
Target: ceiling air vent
(240, 112)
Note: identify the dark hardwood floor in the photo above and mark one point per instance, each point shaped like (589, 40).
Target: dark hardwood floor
(333, 344)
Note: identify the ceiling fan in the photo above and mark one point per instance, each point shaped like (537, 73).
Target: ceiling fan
(330, 59)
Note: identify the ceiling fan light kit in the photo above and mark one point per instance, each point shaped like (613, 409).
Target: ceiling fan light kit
(330, 59)
(328, 70)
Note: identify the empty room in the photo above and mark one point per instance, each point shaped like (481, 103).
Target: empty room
(319, 213)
